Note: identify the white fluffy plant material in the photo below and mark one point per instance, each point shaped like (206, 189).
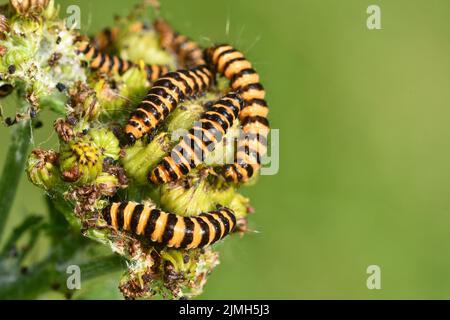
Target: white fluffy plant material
(38, 54)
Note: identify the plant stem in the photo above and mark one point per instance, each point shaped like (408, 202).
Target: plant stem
(47, 273)
(29, 223)
(13, 169)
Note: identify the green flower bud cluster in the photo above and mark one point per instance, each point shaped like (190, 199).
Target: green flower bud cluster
(168, 273)
(106, 142)
(183, 118)
(38, 54)
(143, 45)
(43, 170)
(201, 196)
(129, 89)
(140, 158)
(91, 167)
(81, 160)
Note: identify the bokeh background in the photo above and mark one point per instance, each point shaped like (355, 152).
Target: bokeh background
(364, 146)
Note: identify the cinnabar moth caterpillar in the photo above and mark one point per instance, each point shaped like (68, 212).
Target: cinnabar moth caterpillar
(201, 139)
(189, 54)
(169, 229)
(106, 63)
(252, 145)
(164, 97)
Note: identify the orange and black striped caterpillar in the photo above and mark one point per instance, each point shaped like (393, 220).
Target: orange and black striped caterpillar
(169, 229)
(107, 63)
(106, 39)
(164, 97)
(188, 53)
(252, 145)
(201, 139)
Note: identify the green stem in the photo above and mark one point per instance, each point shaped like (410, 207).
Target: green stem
(13, 168)
(101, 266)
(48, 273)
(18, 231)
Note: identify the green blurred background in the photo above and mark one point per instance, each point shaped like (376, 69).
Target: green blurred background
(364, 146)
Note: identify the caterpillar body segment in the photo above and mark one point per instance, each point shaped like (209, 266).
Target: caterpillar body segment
(200, 140)
(188, 52)
(252, 144)
(101, 61)
(169, 229)
(155, 71)
(164, 96)
(107, 63)
(106, 39)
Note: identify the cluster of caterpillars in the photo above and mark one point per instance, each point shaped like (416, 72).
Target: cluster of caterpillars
(244, 102)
